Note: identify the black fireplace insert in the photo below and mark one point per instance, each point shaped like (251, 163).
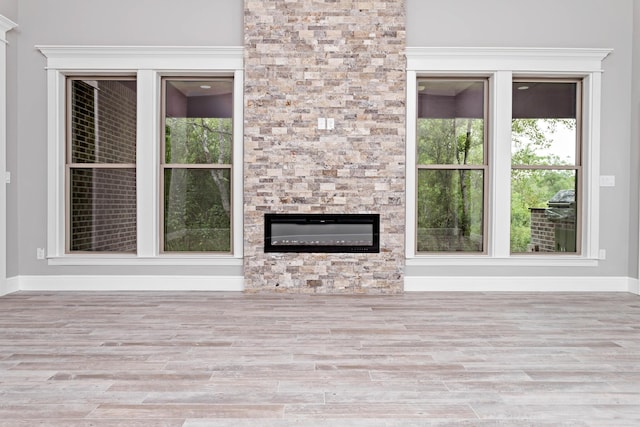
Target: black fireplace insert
(333, 233)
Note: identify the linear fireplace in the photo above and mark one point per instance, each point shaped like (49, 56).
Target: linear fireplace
(334, 233)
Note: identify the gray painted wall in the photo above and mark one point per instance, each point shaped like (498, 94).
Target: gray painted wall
(9, 8)
(81, 22)
(545, 23)
(634, 158)
(553, 23)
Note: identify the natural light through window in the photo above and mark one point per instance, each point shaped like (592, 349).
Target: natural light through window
(513, 177)
(144, 155)
(198, 140)
(545, 161)
(451, 165)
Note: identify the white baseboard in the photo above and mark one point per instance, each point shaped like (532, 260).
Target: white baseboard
(130, 283)
(520, 284)
(236, 284)
(9, 286)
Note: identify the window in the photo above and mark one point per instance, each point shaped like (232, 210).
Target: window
(142, 147)
(451, 165)
(545, 158)
(196, 165)
(503, 156)
(101, 164)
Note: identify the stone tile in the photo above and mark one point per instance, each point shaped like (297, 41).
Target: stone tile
(302, 360)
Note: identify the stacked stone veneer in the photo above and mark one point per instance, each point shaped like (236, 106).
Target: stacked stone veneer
(340, 59)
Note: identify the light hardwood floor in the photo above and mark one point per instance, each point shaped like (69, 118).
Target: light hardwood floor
(231, 359)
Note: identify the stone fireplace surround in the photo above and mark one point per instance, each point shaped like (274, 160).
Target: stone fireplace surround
(311, 59)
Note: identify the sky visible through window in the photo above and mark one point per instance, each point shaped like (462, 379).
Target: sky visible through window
(562, 142)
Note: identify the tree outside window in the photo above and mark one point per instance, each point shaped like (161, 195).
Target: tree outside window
(197, 165)
(451, 165)
(545, 172)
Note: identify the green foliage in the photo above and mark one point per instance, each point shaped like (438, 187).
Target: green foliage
(450, 200)
(532, 141)
(450, 141)
(198, 140)
(533, 189)
(197, 208)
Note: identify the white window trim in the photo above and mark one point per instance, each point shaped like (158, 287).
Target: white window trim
(148, 64)
(6, 25)
(501, 65)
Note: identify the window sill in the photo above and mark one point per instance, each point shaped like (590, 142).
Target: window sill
(516, 261)
(164, 260)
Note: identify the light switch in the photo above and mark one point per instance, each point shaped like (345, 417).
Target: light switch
(331, 124)
(322, 123)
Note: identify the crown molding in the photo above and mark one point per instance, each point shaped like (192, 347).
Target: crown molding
(142, 57)
(516, 59)
(5, 26)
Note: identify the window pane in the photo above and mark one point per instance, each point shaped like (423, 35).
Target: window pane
(544, 127)
(543, 210)
(103, 121)
(198, 122)
(197, 204)
(450, 210)
(103, 210)
(450, 122)
(543, 142)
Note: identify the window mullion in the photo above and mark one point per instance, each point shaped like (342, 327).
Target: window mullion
(146, 161)
(410, 181)
(590, 161)
(56, 128)
(237, 221)
(500, 155)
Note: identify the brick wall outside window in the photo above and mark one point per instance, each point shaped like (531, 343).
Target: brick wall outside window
(103, 199)
(549, 236)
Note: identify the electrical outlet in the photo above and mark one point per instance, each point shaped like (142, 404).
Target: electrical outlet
(40, 253)
(602, 254)
(607, 181)
(322, 123)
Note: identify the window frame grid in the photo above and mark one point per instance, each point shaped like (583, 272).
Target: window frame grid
(577, 166)
(501, 65)
(484, 166)
(70, 165)
(164, 166)
(148, 64)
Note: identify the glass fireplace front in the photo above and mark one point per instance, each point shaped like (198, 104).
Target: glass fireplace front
(338, 233)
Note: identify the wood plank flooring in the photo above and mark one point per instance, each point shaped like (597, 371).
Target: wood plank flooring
(230, 359)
